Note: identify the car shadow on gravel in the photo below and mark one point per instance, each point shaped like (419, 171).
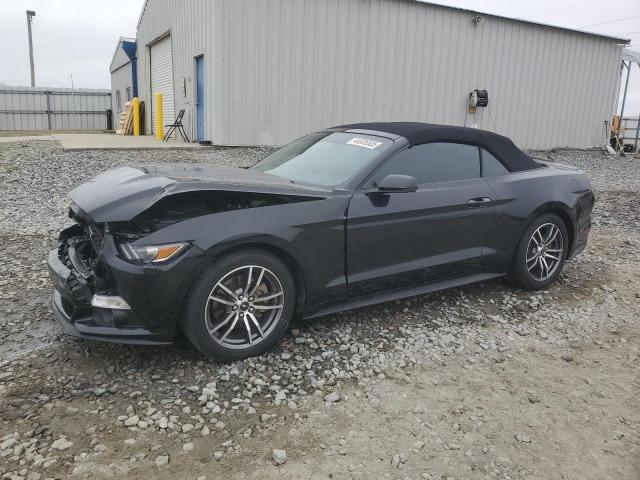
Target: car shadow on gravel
(480, 301)
(377, 328)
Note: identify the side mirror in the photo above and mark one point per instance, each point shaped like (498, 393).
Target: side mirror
(398, 184)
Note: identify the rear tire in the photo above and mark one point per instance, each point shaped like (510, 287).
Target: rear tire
(240, 306)
(541, 253)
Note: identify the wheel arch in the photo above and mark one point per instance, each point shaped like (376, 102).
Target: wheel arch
(516, 274)
(276, 249)
(564, 212)
(557, 208)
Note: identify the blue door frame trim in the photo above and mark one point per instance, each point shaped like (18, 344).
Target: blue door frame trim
(200, 98)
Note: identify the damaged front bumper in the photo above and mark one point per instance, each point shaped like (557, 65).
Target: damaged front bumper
(113, 300)
(84, 322)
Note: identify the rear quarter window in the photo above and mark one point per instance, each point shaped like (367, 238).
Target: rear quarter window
(491, 166)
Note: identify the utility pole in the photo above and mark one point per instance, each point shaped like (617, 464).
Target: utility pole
(30, 15)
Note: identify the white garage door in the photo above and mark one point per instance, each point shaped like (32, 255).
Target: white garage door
(162, 81)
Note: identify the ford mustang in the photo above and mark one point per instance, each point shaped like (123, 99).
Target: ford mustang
(342, 218)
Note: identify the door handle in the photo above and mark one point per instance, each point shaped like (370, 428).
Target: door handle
(478, 202)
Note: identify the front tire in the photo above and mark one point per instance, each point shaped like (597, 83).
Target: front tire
(240, 306)
(541, 253)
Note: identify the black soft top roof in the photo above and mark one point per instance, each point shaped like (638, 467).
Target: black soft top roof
(419, 133)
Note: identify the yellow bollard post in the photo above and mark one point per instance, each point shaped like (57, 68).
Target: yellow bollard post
(136, 116)
(159, 125)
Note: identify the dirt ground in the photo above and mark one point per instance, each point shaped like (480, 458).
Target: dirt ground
(482, 382)
(539, 410)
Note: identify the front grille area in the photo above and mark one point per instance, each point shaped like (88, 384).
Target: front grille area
(95, 234)
(84, 243)
(76, 251)
(79, 249)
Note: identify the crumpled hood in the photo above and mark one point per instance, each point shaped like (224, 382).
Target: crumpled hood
(119, 195)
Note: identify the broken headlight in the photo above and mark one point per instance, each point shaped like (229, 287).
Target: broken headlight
(151, 253)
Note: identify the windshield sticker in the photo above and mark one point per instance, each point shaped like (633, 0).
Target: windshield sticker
(365, 143)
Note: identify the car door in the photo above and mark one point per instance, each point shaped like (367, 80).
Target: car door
(396, 240)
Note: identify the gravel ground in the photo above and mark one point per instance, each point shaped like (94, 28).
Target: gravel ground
(485, 381)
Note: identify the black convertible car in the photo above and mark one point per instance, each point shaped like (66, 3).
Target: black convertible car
(342, 218)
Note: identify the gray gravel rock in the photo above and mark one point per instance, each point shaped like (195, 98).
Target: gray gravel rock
(61, 444)
(188, 447)
(279, 456)
(161, 460)
(174, 393)
(132, 421)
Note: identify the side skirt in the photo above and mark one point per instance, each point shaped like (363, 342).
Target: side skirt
(382, 297)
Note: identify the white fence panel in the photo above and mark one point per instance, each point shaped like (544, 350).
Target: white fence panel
(631, 130)
(26, 108)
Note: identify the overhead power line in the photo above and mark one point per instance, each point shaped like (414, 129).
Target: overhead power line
(611, 21)
(570, 7)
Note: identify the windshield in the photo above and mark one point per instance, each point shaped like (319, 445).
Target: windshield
(324, 158)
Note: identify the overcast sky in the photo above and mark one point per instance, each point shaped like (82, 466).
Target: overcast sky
(79, 36)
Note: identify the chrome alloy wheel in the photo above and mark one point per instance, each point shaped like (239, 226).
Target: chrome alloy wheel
(244, 307)
(544, 252)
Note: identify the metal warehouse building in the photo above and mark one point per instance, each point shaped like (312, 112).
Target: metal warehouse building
(263, 72)
(123, 80)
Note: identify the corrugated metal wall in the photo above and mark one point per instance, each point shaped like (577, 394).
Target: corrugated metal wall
(26, 108)
(119, 59)
(277, 69)
(189, 23)
(120, 80)
(160, 58)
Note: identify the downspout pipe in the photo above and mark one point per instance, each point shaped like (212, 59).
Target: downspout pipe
(130, 48)
(134, 76)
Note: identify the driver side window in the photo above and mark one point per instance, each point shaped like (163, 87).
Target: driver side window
(433, 163)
